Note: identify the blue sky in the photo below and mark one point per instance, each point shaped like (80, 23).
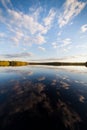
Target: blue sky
(43, 30)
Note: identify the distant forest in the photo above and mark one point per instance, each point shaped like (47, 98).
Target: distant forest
(21, 63)
(13, 63)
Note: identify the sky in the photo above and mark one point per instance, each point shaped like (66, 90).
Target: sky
(43, 30)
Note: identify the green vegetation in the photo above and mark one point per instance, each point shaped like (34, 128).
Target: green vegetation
(20, 63)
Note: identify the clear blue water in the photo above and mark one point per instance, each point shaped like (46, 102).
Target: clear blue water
(43, 97)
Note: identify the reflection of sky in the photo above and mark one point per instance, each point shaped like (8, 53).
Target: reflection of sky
(59, 93)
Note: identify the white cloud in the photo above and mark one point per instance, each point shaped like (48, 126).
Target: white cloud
(66, 48)
(2, 35)
(71, 9)
(19, 34)
(5, 3)
(80, 46)
(25, 21)
(17, 56)
(2, 19)
(77, 58)
(36, 13)
(40, 39)
(41, 48)
(15, 40)
(59, 33)
(49, 19)
(17, 37)
(55, 45)
(84, 28)
(22, 25)
(66, 42)
(30, 22)
(26, 28)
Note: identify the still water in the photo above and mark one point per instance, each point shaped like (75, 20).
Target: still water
(43, 97)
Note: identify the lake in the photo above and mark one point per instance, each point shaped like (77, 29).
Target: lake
(43, 97)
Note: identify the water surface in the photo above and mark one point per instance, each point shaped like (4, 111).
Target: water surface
(43, 97)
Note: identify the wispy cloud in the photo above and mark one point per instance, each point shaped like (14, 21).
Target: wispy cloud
(40, 39)
(30, 27)
(66, 42)
(76, 58)
(72, 58)
(71, 9)
(55, 45)
(59, 33)
(17, 55)
(5, 3)
(80, 46)
(49, 19)
(41, 48)
(84, 28)
(62, 44)
(28, 22)
(2, 35)
(26, 27)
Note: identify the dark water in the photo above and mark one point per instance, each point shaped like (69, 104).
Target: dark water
(40, 97)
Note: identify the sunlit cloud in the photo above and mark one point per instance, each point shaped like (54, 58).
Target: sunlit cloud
(40, 39)
(27, 27)
(71, 9)
(84, 28)
(49, 19)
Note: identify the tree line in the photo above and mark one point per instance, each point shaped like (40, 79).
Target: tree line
(13, 63)
(21, 63)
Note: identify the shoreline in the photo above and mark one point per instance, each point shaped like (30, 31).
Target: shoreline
(21, 63)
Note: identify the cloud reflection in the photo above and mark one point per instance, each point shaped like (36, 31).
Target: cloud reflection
(41, 78)
(64, 85)
(81, 98)
(69, 116)
(41, 96)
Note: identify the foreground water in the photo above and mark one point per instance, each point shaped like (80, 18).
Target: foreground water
(43, 97)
